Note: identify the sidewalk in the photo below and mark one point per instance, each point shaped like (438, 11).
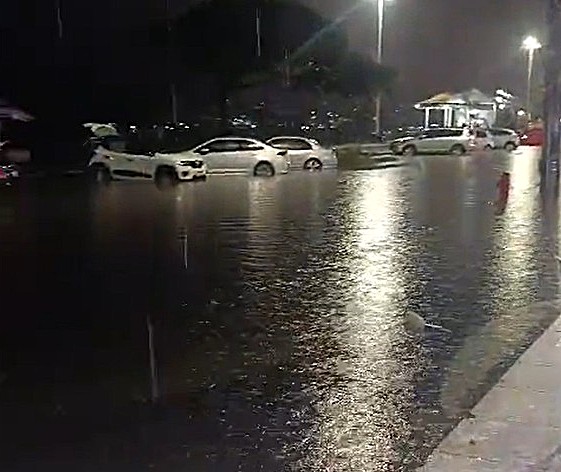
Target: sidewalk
(517, 425)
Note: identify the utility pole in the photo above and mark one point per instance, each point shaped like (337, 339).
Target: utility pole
(552, 145)
(258, 30)
(60, 25)
(171, 65)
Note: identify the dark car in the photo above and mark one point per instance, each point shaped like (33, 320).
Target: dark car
(8, 174)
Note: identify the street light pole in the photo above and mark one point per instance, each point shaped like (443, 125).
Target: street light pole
(530, 44)
(380, 30)
(531, 53)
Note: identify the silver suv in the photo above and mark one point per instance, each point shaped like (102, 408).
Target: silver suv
(505, 138)
(455, 141)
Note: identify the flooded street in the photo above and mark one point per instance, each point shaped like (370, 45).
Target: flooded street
(281, 311)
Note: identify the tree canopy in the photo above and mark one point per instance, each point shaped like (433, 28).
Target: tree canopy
(220, 37)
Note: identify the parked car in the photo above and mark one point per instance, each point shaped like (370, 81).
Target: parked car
(455, 141)
(304, 153)
(504, 138)
(112, 161)
(533, 137)
(232, 155)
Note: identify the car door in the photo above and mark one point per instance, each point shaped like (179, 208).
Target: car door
(122, 163)
(219, 155)
(248, 155)
(426, 142)
(299, 150)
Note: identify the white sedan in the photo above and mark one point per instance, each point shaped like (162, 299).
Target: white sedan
(234, 155)
(304, 153)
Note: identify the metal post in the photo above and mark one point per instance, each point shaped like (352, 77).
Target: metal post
(154, 387)
(258, 30)
(171, 66)
(379, 60)
(531, 53)
(552, 113)
(59, 19)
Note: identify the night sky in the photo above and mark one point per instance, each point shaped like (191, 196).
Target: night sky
(438, 45)
(435, 45)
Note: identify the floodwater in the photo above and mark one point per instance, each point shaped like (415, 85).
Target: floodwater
(279, 313)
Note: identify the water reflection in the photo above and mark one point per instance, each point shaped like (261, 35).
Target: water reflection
(362, 418)
(519, 275)
(279, 325)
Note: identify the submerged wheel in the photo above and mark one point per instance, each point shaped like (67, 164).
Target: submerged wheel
(264, 169)
(458, 150)
(313, 165)
(100, 174)
(409, 150)
(166, 176)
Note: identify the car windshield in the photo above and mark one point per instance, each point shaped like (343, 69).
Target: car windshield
(280, 235)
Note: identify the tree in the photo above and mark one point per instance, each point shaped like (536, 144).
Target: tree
(219, 37)
(351, 76)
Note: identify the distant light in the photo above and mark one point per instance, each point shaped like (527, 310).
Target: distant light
(531, 43)
(521, 113)
(502, 106)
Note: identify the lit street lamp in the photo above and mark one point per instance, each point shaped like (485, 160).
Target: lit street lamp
(530, 44)
(381, 5)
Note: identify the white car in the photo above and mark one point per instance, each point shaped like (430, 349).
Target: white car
(116, 163)
(241, 155)
(504, 138)
(304, 153)
(455, 141)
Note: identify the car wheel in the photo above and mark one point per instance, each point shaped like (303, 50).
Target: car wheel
(166, 177)
(509, 147)
(313, 165)
(100, 174)
(409, 150)
(458, 150)
(264, 169)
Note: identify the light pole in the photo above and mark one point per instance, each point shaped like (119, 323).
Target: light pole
(530, 44)
(380, 30)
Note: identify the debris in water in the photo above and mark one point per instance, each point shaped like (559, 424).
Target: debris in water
(417, 324)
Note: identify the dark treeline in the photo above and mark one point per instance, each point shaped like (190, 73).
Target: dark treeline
(93, 66)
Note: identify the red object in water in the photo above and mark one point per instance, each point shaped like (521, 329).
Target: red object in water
(533, 137)
(503, 187)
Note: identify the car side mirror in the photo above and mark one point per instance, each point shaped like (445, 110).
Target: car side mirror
(203, 151)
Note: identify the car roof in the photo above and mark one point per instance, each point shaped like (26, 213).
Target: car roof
(501, 129)
(289, 137)
(226, 138)
(443, 129)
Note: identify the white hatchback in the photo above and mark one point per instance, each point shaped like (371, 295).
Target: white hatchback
(241, 156)
(305, 153)
(112, 161)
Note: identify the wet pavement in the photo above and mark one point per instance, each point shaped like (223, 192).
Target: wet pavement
(279, 311)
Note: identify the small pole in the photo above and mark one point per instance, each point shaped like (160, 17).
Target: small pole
(258, 30)
(529, 84)
(59, 18)
(378, 126)
(155, 390)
